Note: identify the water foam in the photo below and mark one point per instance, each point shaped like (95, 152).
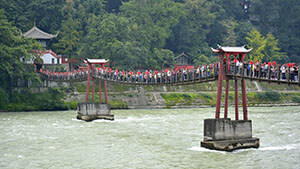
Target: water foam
(136, 119)
(271, 148)
(275, 148)
(201, 149)
(129, 119)
(73, 119)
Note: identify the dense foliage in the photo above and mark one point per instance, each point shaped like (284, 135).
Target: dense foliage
(28, 101)
(150, 33)
(13, 47)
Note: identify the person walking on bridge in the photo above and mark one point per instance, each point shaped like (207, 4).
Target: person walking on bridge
(283, 70)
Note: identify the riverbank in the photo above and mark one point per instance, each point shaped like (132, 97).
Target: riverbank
(151, 97)
(170, 100)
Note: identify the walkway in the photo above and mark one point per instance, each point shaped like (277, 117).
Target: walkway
(285, 74)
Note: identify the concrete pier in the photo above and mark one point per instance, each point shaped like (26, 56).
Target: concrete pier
(227, 135)
(93, 111)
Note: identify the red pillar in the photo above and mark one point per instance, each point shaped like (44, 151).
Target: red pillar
(88, 85)
(100, 95)
(244, 99)
(93, 93)
(226, 99)
(236, 98)
(105, 90)
(219, 94)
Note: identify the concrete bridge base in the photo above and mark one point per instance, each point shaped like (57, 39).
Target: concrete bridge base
(93, 111)
(226, 135)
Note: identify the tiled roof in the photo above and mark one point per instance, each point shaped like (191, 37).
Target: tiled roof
(36, 33)
(182, 54)
(241, 49)
(97, 61)
(49, 52)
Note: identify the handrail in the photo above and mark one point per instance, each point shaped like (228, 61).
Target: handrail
(207, 73)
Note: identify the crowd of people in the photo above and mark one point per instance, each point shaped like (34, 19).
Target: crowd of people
(270, 70)
(251, 69)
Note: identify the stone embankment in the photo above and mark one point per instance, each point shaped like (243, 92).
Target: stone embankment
(186, 96)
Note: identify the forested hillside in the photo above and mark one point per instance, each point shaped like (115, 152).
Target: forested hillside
(149, 33)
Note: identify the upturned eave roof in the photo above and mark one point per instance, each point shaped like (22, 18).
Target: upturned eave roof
(96, 61)
(182, 54)
(36, 33)
(227, 49)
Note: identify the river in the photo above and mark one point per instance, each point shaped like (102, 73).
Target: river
(143, 139)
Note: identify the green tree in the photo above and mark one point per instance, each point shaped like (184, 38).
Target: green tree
(163, 58)
(23, 13)
(281, 18)
(152, 23)
(271, 50)
(265, 48)
(258, 42)
(69, 37)
(242, 28)
(190, 34)
(13, 47)
(202, 59)
(230, 35)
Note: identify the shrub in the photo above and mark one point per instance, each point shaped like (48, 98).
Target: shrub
(269, 96)
(207, 96)
(72, 105)
(3, 99)
(27, 101)
(118, 104)
(296, 99)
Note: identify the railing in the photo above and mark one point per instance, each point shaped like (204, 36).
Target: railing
(173, 78)
(74, 77)
(205, 73)
(264, 72)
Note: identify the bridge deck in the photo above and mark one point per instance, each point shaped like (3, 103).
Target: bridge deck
(172, 82)
(179, 78)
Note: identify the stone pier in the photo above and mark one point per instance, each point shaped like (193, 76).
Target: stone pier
(93, 111)
(227, 135)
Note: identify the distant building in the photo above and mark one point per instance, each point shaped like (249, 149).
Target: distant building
(183, 61)
(42, 37)
(48, 57)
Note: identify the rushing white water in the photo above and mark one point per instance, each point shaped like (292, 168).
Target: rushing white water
(257, 86)
(143, 139)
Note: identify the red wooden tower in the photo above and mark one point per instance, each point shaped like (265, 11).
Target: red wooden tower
(224, 56)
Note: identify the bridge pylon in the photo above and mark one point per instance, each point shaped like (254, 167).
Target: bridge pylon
(89, 111)
(223, 133)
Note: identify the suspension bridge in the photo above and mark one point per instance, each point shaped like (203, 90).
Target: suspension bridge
(219, 133)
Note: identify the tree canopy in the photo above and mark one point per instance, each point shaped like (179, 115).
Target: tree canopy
(13, 47)
(150, 33)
